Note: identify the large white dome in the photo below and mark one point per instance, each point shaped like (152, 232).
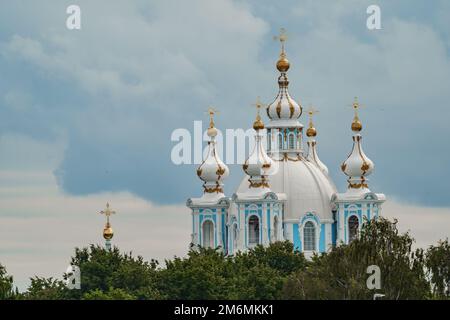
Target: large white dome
(306, 187)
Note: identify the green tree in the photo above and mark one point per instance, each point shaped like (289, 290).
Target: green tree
(208, 274)
(202, 274)
(6, 285)
(341, 274)
(45, 289)
(438, 265)
(106, 270)
(111, 294)
(280, 256)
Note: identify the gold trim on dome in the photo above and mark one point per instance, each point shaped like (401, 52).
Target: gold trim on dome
(365, 166)
(216, 189)
(362, 184)
(199, 172)
(259, 184)
(291, 108)
(220, 171)
(278, 109)
(287, 158)
(344, 166)
(358, 185)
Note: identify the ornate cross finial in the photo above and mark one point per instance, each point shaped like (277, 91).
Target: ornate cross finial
(211, 111)
(282, 37)
(107, 212)
(356, 105)
(311, 111)
(356, 124)
(258, 124)
(258, 104)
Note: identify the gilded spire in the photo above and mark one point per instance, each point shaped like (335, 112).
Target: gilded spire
(311, 132)
(284, 107)
(283, 62)
(108, 232)
(356, 124)
(258, 124)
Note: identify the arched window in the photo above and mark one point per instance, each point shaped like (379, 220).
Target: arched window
(269, 141)
(309, 237)
(235, 236)
(291, 141)
(208, 234)
(275, 228)
(280, 141)
(253, 231)
(353, 227)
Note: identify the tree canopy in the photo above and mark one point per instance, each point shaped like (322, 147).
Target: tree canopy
(274, 272)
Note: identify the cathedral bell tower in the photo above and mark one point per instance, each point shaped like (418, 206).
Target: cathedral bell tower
(358, 202)
(209, 212)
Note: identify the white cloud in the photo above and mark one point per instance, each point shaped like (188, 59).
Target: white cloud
(427, 225)
(40, 225)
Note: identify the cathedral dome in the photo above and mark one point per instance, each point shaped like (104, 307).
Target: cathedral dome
(306, 187)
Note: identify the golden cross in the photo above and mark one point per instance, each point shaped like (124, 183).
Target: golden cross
(258, 104)
(282, 37)
(356, 105)
(311, 112)
(107, 212)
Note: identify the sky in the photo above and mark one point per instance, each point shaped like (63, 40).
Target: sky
(86, 116)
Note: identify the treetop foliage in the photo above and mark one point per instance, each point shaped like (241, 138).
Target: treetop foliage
(274, 272)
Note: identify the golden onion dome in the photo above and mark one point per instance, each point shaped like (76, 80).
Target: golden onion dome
(258, 124)
(108, 232)
(356, 125)
(283, 64)
(311, 132)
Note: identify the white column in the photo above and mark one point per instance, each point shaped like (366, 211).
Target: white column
(264, 230)
(241, 241)
(219, 226)
(328, 237)
(341, 233)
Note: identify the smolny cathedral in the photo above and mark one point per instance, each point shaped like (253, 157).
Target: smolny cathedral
(286, 193)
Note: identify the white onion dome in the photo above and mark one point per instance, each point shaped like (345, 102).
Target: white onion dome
(284, 107)
(258, 165)
(312, 156)
(212, 170)
(357, 166)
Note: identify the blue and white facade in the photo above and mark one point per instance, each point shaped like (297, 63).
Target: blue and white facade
(286, 193)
